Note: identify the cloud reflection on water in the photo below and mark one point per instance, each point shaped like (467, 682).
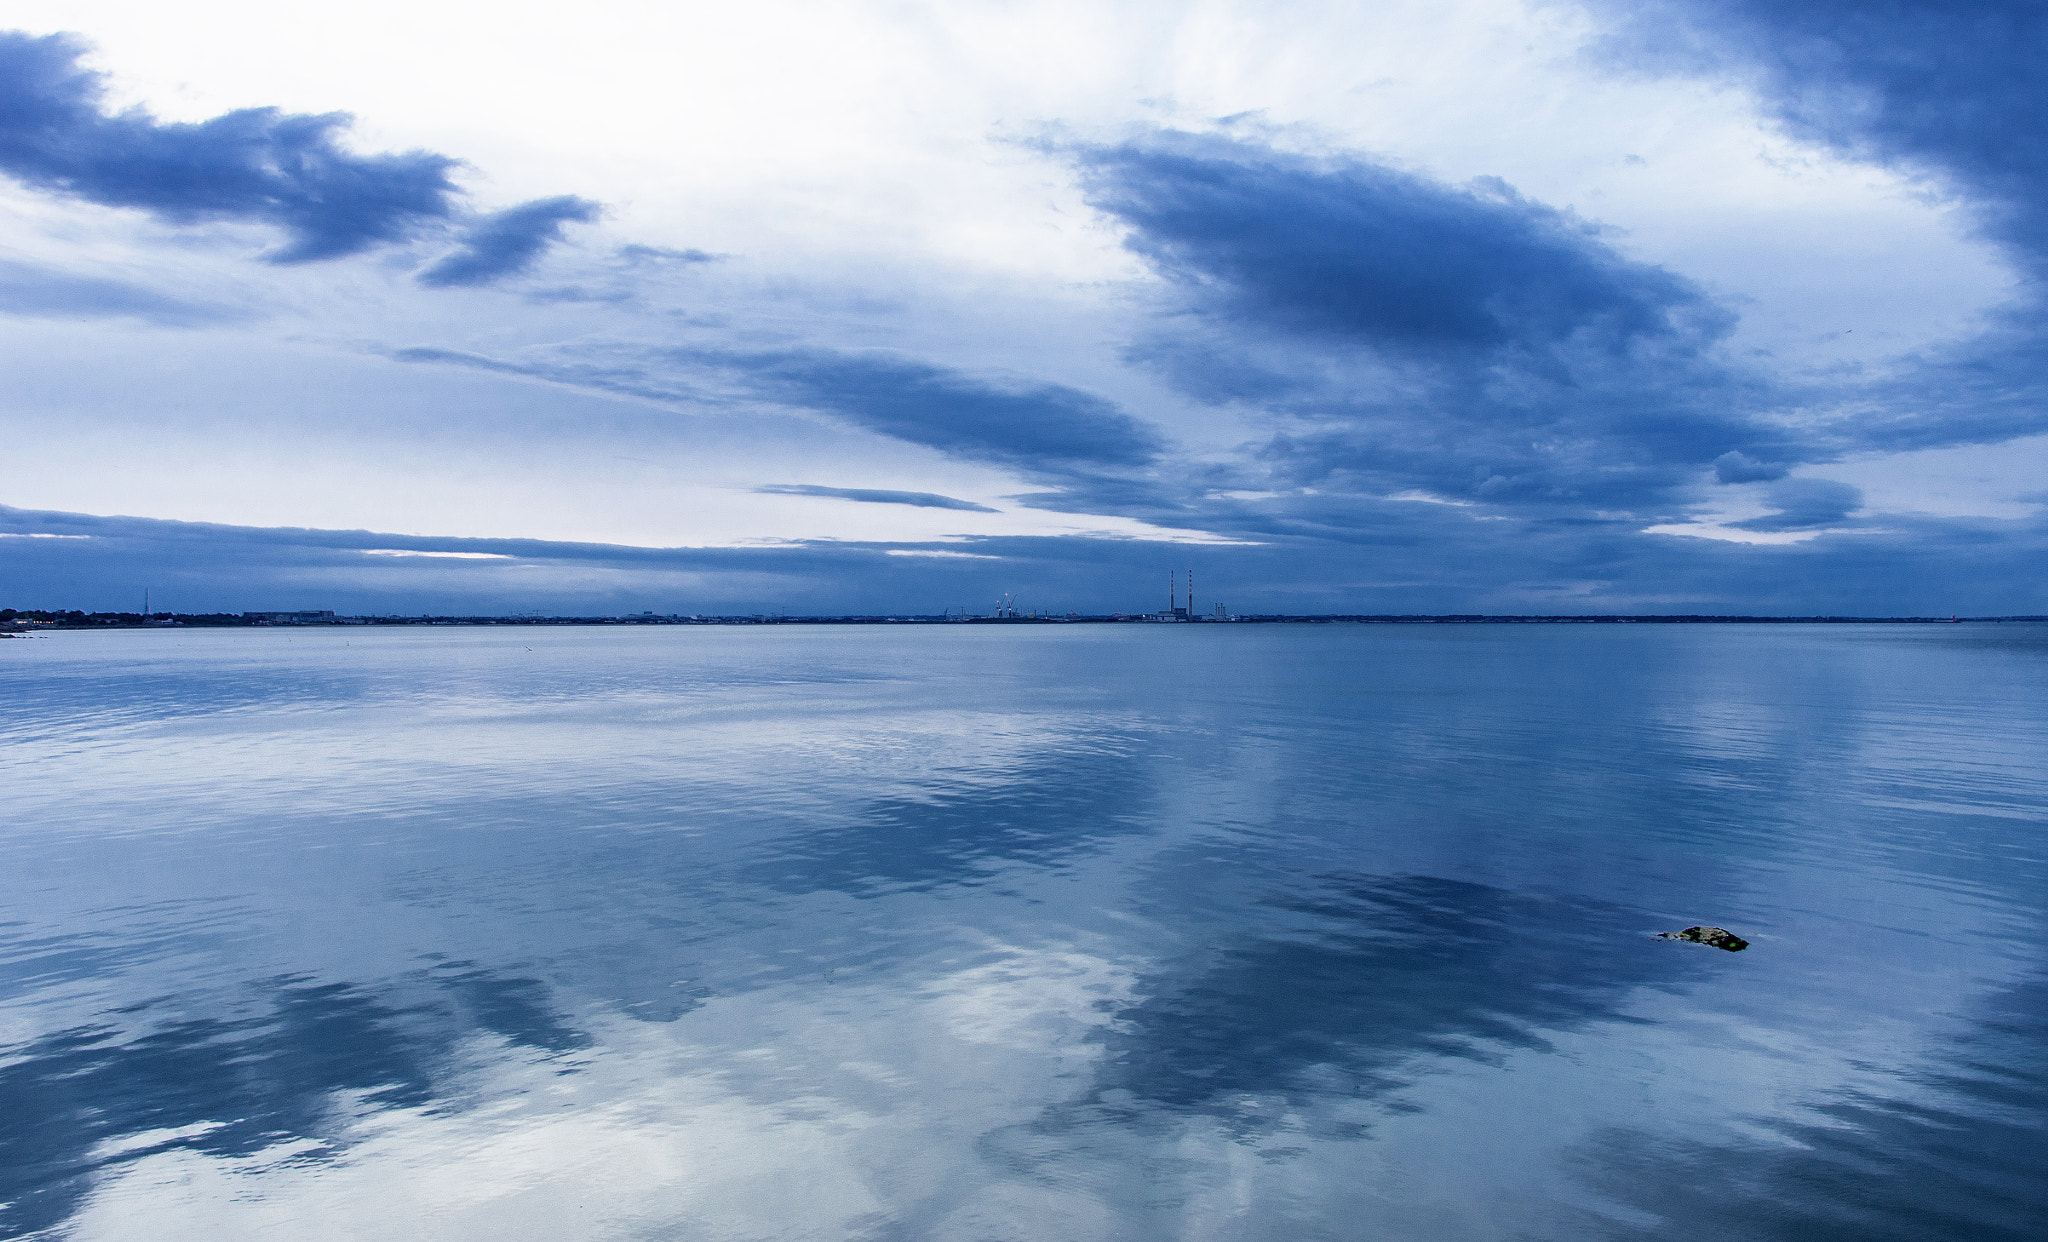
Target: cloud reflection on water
(1208, 931)
(1353, 981)
(81, 1101)
(1957, 1151)
(1046, 809)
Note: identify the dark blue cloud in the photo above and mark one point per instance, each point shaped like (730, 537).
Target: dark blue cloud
(1735, 466)
(28, 289)
(507, 242)
(260, 164)
(866, 495)
(1952, 93)
(288, 170)
(1322, 554)
(1987, 390)
(1402, 335)
(1050, 431)
(1804, 504)
(1031, 425)
(1951, 89)
(1368, 253)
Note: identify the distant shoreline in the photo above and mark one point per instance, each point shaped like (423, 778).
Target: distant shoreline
(36, 621)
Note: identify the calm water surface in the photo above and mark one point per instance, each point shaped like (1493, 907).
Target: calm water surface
(1025, 933)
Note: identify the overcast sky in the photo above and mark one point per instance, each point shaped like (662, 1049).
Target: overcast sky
(1353, 307)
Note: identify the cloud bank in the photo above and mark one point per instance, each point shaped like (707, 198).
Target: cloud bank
(1401, 559)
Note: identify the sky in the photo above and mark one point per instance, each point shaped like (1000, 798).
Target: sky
(1673, 306)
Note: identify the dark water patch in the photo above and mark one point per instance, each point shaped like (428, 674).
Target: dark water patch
(1958, 1151)
(516, 1007)
(33, 959)
(1052, 809)
(32, 962)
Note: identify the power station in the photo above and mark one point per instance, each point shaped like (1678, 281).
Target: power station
(1177, 611)
(1180, 606)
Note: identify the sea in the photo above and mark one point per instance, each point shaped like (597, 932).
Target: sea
(1221, 931)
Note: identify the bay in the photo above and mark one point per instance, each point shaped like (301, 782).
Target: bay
(1199, 931)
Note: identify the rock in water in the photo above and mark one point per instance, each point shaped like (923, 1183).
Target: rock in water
(1719, 937)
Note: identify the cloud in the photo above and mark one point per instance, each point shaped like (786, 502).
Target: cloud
(507, 242)
(30, 289)
(1403, 335)
(1945, 90)
(922, 500)
(1318, 555)
(604, 373)
(1949, 94)
(1804, 504)
(263, 165)
(460, 556)
(637, 255)
(942, 553)
(1734, 466)
(1363, 252)
(1036, 426)
(1049, 430)
(259, 164)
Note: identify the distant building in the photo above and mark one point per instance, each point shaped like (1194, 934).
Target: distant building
(323, 617)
